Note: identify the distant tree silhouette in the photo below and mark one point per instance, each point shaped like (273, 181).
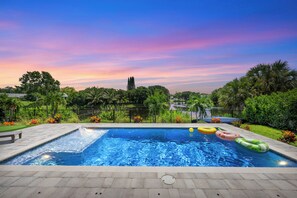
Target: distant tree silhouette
(131, 83)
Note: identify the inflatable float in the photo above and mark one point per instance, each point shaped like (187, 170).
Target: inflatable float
(207, 130)
(224, 135)
(253, 144)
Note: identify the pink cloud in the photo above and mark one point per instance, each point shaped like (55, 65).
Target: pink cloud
(79, 42)
(77, 74)
(58, 51)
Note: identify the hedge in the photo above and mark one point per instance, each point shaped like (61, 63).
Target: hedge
(278, 110)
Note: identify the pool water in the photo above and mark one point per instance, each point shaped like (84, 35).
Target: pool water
(146, 147)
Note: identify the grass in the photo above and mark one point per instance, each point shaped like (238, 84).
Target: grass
(266, 131)
(12, 128)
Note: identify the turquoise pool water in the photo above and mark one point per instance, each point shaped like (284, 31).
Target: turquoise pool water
(146, 147)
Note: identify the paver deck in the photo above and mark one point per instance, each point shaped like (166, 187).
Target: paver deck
(78, 181)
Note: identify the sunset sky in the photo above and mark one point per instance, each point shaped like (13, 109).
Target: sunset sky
(183, 45)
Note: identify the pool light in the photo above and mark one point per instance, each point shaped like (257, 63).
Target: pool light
(46, 157)
(282, 163)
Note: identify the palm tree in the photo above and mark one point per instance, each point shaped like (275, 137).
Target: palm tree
(199, 104)
(156, 103)
(37, 104)
(111, 98)
(95, 96)
(13, 106)
(56, 99)
(10, 105)
(122, 96)
(269, 78)
(283, 78)
(233, 94)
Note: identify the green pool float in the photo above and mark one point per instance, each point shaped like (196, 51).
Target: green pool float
(253, 144)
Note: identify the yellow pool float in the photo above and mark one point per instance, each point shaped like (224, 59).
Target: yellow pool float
(207, 130)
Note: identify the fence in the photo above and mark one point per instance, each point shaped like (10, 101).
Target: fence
(123, 114)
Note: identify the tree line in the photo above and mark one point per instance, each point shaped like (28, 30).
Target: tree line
(263, 79)
(43, 90)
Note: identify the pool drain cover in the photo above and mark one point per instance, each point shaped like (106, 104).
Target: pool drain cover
(168, 179)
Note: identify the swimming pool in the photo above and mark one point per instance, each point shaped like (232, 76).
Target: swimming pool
(146, 147)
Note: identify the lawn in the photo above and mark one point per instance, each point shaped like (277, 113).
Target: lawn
(266, 131)
(12, 128)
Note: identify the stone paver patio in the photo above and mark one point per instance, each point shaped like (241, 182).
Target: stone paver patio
(77, 181)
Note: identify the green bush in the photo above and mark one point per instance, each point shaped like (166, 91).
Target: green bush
(122, 117)
(171, 116)
(278, 110)
(106, 115)
(73, 118)
(26, 114)
(236, 123)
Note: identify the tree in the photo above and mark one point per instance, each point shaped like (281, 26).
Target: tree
(36, 82)
(41, 83)
(161, 89)
(284, 78)
(214, 96)
(56, 99)
(71, 95)
(39, 101)
(131, 83)
(138, 95)
(95, 97)
(233, 94)
(185, 95)
(199, 103)
(111, 96)
(123, 96)
(156, 103)
(269, 78)
(10, 105)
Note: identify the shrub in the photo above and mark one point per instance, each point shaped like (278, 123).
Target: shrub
(236, 123)
(247, 127)
(72, 118)
(278, 110)
(215, 120)
(170, 117)
(288, 137)
(58, 118)
(51, 120)
(106, 115)
(8, 123)
(122, 117)
(178, 119)
(137, 119)
(33, 122)
(95, 119)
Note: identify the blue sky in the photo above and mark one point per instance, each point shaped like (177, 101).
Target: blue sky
(183, 45)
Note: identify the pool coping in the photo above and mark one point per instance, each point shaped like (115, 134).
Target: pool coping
(181, 169)
(277, 146)
(141, 181)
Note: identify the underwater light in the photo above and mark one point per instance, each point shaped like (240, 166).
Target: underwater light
(46, 157)
(282, 163)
